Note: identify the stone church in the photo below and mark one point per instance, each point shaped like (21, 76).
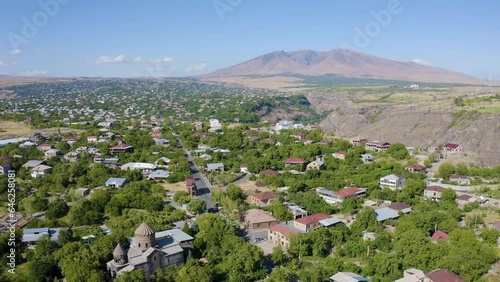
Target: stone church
(150, 250)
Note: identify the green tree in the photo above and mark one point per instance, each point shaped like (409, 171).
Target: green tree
(44, 246)
(278, 256)
(197, 206)
(194, 273)
(446, 169)
(458, 101)
(132, 276)
(366, 221)
(468, 257)
(413, 247)
(449, 195)
(490, 235)
(462, 169)
(280, 274)
(398, 151)
(182, 197)
(43, 270)
(57, 209)
(280, 211)
(245, 263)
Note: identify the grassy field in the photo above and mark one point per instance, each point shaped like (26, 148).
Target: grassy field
(250, 188)
(490, 110)
(489, 215)
(174, 187)
(12, 128)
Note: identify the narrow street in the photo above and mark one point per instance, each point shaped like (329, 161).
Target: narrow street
(204, 189)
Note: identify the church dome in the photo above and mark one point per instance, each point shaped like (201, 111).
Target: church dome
(118, 251)
(144, 230)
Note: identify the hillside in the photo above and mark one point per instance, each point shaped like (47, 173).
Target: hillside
(342, 62)
(429, 119)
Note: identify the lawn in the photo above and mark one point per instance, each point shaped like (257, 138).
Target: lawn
(15, 129)
(174, 187)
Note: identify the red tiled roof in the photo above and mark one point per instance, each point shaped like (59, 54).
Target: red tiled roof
(312, 218)
(244, 165)
(434, 188)
(121, 146)
(464, 197)
(348, 191)
(399, 206)
(439, 235)
(451, 146)
(283, 230)
(294, 161)
(495, 225)
(341, 153)
(416, 166)
(190, 181)
(264, 196)
(270, 172)
(444, 275)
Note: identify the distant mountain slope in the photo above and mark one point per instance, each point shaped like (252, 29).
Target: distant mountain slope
(343, 62)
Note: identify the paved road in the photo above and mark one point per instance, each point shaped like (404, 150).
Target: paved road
(204, 189)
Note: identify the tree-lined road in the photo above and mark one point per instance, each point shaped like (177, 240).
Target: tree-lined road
(204, 188)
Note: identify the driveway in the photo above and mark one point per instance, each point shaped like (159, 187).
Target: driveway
(266, 246)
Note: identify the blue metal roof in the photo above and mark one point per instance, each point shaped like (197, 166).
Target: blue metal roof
(385, 213)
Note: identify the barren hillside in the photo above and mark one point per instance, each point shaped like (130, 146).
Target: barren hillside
(418, 125)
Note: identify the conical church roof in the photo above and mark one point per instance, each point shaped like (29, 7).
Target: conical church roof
(118, 251)
(144, 230)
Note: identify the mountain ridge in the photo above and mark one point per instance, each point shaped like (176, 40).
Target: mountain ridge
(345, 62)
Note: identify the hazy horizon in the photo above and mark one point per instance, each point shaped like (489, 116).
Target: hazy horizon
(63, 38)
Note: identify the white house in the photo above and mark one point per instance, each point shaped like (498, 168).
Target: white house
(283, 124)
(460, 179)
(215, 125)
(244, 168)
(332, 197)
(145, 167)
(392, 181)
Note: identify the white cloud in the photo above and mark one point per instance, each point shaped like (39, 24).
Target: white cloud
(142, 60)
(16, 51)
(2, 63)
(109, 60)
(138, 60)
(421, 62)
(165, 60)
(196, 68)
(35, 73)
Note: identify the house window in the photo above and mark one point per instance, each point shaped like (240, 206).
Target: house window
(146, 245)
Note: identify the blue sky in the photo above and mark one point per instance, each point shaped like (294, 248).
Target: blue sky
(126, 38)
